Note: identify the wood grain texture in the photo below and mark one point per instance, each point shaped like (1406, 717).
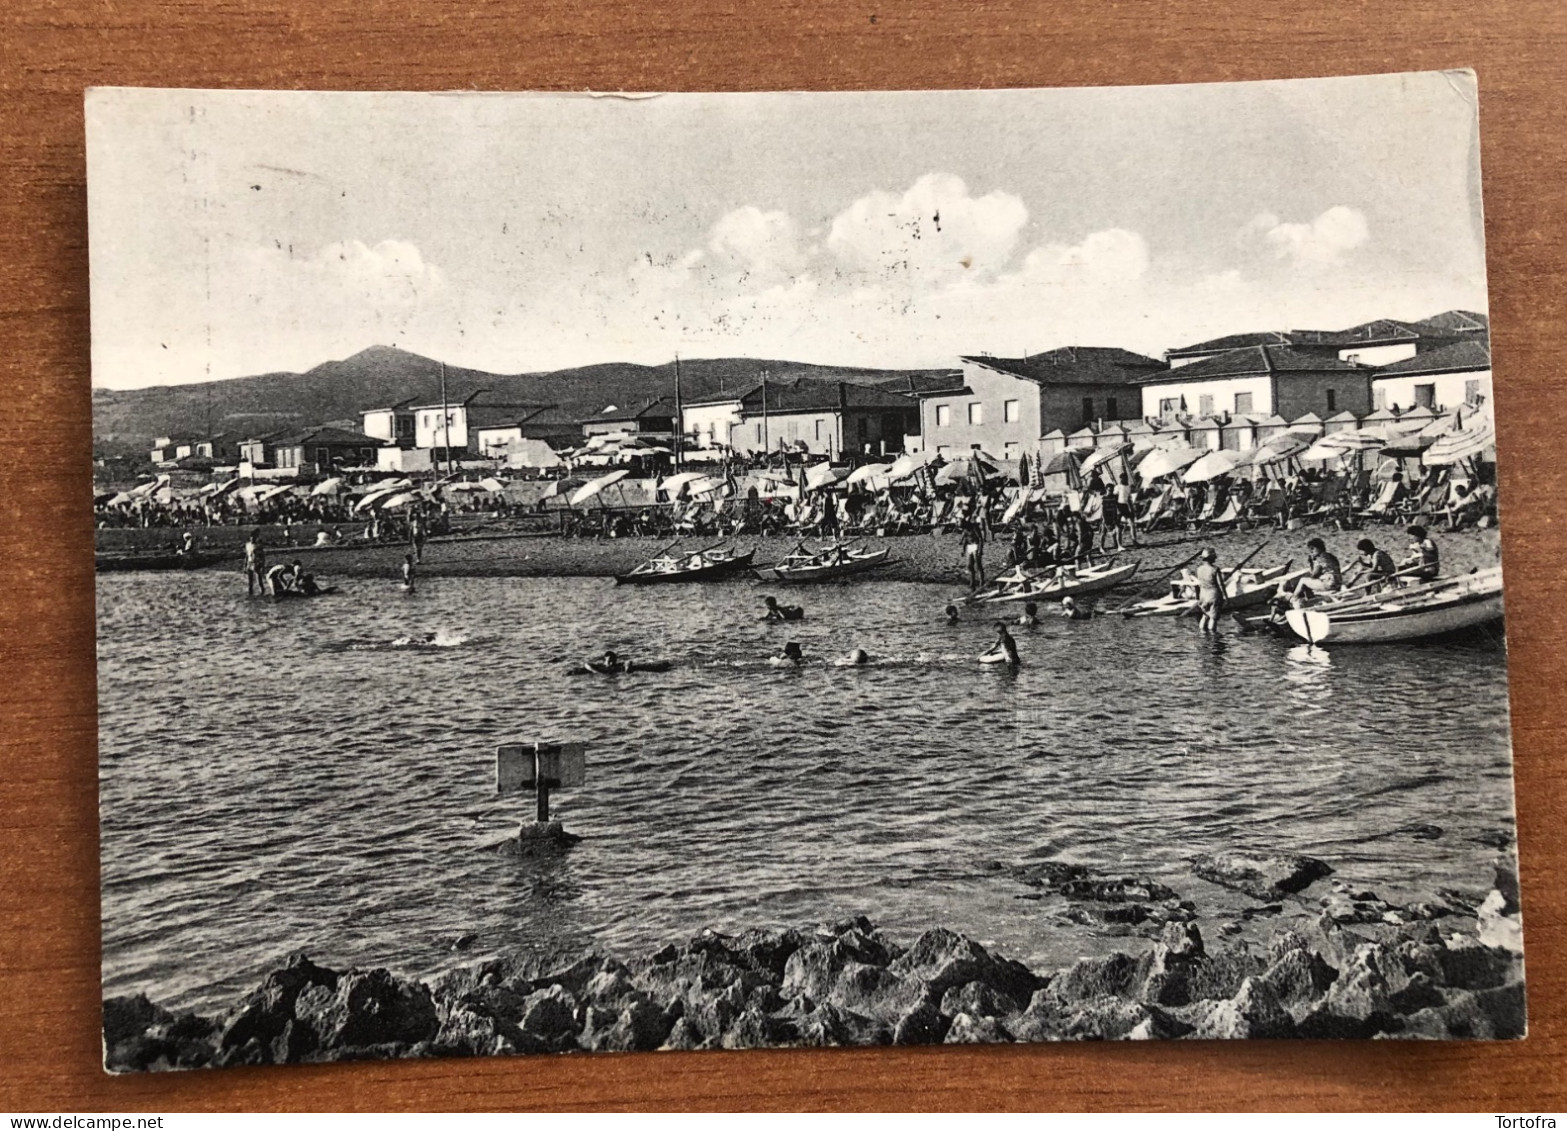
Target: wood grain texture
(49, 1054)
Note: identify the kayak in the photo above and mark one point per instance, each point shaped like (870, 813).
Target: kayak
(824, 565)
(1245, 590)
(705, 565)
(1437, 608)
(1048, 587)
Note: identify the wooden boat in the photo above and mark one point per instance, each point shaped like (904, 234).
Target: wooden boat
(834, 561)
(1052, 585)
(1246, 589)
(169, 559)
(1436, 608)
(702, 565)
(295, 594)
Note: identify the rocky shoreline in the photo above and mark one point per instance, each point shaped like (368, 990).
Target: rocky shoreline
(1338, 963)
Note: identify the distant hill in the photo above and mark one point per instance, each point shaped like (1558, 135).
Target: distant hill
(127, 420)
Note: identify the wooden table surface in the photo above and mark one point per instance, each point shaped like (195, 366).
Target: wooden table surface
(49, 1046)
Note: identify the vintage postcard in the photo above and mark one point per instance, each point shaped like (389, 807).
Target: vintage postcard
(703, 571)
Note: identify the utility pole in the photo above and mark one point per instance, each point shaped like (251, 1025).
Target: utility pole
(446, 422)
(680, 422)
(766, 441)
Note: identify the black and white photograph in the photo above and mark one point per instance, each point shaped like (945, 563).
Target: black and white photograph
(630, 572)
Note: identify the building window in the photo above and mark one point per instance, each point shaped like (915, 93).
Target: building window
(1425, 396)
(818, 429)
(1088, 409)
(758, 433)
(943, 415)
(1112, 409)
(1011, 411)
(1242, 403)
(1332, 400)
(1205, 405)
(976, 413)
(1011, 449)
(1472, 391)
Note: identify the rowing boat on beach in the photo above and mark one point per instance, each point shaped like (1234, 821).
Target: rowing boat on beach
(1054, 584)
(1244, 589)
(837, 560)
(1436, 608)
(700, 565)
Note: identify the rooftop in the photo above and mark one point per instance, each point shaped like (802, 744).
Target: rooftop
(1461, 356)
(1255, 361)
(1230, 342)
(1076, 365)
(820, 396)
(325, 435)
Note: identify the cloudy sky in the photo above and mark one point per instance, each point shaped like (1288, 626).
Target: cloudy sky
(235, 233)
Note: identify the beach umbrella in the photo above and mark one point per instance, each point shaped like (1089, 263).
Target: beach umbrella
(1164, 461)
(594, 486)
(906, 465)
(275, 492)
(878, 471)
(1279, 448)
(401, 499)
(823, 475)
(1322, 450)
(1101, 456)
(705, 485)
(328, 486)
(122, 499)
(560, 487)
(1357, 440)
(675, 484)
(1211, 466)
(1461, 444)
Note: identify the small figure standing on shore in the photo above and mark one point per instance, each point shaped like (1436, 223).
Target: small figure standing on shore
(1210, 591)
(408, 573)
(255, 565)
(974, 552)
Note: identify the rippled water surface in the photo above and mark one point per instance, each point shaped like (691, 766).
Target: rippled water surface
(315, 775)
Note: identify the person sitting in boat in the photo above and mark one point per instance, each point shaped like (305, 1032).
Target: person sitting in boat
(951, 613)
(1373, 565)
(790, 657)
(777, 612)
(1071, 610)
(1030, 617)
(1004, 649)
(1324, 574)
(1423, 561)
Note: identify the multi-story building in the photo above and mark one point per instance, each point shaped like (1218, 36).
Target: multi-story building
(830, 418)
(1453, 377)
(1259, 381)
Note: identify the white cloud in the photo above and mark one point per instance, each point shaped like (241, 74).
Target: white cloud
(1114, 255)
(933, 234)
(1318, 242)
(758, 246)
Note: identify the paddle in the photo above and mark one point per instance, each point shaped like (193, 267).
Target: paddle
(1165, 576)
(1226, 578)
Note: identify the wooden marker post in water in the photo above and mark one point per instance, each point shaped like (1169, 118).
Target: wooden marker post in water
(540, 766)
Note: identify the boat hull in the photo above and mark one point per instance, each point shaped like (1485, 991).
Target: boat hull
(1395, 625)
(792, 576)
(1073, 587)
(1258, 594)
(710, 572)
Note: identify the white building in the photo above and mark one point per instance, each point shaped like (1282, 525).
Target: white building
(708, 422)
(1443, 379)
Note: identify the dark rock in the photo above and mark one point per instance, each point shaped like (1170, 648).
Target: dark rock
(824, 1024)
(1416, 994)
(1469, 964)
(127, 1017)
(550, 1014)
(471, 1032)
(976, 999)
(640, 1027)
(941, 960)
(922, 1024)
(1125, 890)
(609, 987)
(1170, 965)
(1264, 876)
(1114, 975)
(754, 1029)
(969, 1030)
(1050, 1018)
(1047, 873)
(1498, 1013)
(1254, 1011)
(262, 1015)
(574, 977)
(1296, 978)
(685, 1035)
(367, 1007)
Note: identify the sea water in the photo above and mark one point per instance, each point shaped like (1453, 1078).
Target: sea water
(319, 775)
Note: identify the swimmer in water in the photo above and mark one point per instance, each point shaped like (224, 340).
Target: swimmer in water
(857, 658)
(777, 612)
(1030, 617)
(1004, 646)
(952, 614)
(791, 657)
(1071, 611)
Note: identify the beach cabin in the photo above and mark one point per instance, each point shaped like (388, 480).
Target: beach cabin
(1050, 443)
(1238, 434)
(1203, 433)
(1340, 422)
(1084, 437)
(1271, 426)
(1307, 424)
